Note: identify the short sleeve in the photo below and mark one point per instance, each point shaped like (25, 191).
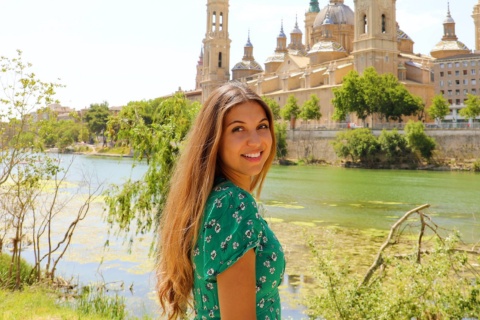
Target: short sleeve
(231, 228)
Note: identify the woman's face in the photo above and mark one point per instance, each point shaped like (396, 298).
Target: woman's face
(245, 144)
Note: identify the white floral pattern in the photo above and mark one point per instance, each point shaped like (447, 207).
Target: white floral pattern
(232, 226)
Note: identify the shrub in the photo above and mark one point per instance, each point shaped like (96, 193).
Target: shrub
(440, 287)
(393, 145)
(359, 144)
(281, 137)
(418, 140)
(476, 166)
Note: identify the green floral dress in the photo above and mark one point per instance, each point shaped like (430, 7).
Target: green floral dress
(232, 226)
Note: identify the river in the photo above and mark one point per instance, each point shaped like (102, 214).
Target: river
(309, 196)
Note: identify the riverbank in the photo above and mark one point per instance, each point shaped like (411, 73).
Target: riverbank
(456, 150)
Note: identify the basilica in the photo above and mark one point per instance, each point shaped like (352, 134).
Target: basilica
(336, 40)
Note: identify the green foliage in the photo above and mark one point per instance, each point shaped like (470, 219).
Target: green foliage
(476, 166)
(359, 144)
(442, 286)
(281, 137)
(439, 108)
(274, 106)
(472, 107)
(311, 109)
(393, 145)
(155, 131)
(96, 117)
(373, 93)
(291, 109)
(8, 280)
(418, 140)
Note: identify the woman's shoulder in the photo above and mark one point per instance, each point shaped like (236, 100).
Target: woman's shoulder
(226, 196)
(226, 188)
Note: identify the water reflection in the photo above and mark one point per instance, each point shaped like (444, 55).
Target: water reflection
(298, 201)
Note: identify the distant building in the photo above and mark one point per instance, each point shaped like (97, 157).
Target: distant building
(338, 40)
(456, 70)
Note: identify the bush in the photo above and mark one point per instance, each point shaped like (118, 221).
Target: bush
(359, 144)
(440, 287)
(394, 146)
(418, 140)
(476, 166)
(281, 137)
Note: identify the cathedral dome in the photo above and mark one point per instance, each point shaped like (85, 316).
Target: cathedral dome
(337, 13)
(326, 46)
(248, 65)
(445, 45)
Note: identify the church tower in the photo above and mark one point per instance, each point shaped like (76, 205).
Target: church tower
(310, 16)
(476, 21)
(375, 42)
(216, 46)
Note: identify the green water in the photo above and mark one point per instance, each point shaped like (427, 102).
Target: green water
(356, 198)
(326, 196)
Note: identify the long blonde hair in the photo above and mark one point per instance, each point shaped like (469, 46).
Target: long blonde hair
(190, 186)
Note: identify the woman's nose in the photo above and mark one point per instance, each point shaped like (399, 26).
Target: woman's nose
(254, 139)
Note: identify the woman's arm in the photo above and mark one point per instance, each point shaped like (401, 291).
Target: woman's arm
(237, 289)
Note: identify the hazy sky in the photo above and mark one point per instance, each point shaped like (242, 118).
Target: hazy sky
(123, 50)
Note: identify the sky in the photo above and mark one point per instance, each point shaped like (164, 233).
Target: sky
(124, 50)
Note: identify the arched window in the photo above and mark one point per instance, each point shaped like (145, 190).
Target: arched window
(384, 24)
(365, 24)
(219, 59)
(214, 21)
(221, 21)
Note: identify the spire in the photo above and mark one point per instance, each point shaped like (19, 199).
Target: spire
(449, 26)
(248, 44)
(248, 50)
(296, 29)
(282, 34)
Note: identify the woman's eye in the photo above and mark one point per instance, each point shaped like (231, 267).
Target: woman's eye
(263, 126)
(237, 129)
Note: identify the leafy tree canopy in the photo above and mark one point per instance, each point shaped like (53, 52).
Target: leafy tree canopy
(472, 107)
(440, 107)
(140, 202)
(274, 106)
(311, 109)
(96, 117)
(290, 109)
(373, 93)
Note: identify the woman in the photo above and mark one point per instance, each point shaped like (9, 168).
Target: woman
(215, 249)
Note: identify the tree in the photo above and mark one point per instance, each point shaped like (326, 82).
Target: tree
(28, 203)
(290, 110)
(96, 118)
(373, 93)
(439, 108)
(274, 106)
(472, 109)
(418, 140)
(140, 202)
(350, 98)
(311, 109)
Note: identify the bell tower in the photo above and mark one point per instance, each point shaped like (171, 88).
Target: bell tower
(375, 43)
(476, 21)
(216, 46)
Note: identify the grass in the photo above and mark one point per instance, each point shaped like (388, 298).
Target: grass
(40, 302)
(36, 302)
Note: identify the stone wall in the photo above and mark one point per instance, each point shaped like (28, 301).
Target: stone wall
(451, 144)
